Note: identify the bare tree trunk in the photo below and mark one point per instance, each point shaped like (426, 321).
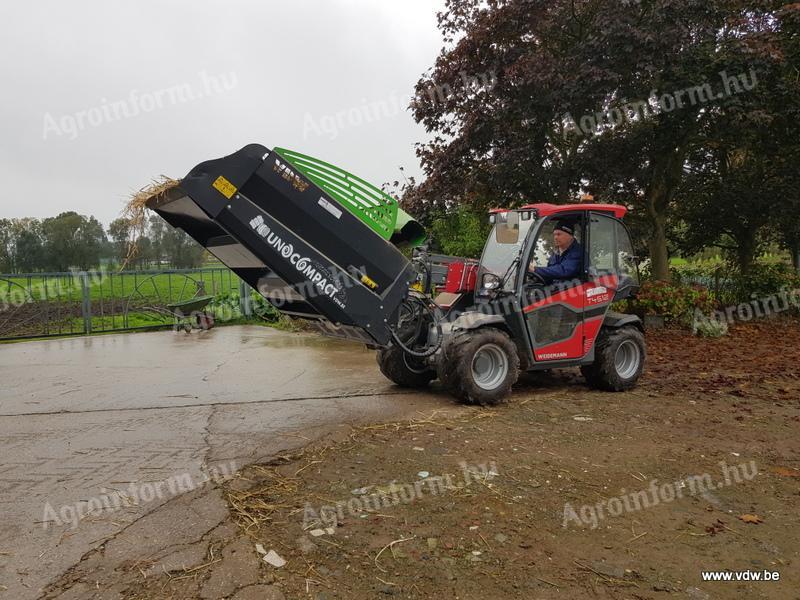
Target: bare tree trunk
(659, 254)
(657, 206)
(746, 255)
(667, 174)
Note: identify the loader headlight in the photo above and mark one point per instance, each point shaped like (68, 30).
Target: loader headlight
(490, 281)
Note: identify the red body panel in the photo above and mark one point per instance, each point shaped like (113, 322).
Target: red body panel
(572, 297)
(461, 277)
(564, 350)
(595, 298)
(545, 210)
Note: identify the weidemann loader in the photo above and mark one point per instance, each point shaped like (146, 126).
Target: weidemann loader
(322, 245)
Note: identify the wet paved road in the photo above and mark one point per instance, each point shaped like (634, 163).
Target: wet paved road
(115, 419)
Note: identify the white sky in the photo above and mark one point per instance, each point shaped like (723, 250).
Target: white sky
(293, 66)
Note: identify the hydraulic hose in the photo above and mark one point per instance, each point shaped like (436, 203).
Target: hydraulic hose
(430, 350)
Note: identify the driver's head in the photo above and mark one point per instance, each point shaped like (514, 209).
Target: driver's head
(563, 234)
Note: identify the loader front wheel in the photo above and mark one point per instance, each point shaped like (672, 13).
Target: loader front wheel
(479, 367)
(404, 370)
(619, 362)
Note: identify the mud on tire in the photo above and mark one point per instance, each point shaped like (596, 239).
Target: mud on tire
(402, 369)
(481, 366)
(619, 360)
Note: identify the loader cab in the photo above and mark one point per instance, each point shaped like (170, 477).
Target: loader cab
(561, 318)
(517, 323)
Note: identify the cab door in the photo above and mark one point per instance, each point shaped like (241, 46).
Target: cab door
(554, 313)
(611, 274)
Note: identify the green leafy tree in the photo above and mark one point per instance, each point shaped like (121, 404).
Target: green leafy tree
(156, 230)
(21, 247)
(462, 232)
(181, 250)
(29, 251)
(6, 246)
(119, 233)
(73, 240)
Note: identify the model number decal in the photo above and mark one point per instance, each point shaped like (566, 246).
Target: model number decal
(597, 295)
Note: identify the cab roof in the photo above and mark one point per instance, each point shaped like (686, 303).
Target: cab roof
(545, 210)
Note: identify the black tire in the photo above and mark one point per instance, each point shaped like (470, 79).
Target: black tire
(471, 352)
(404, 370)
(611, 372)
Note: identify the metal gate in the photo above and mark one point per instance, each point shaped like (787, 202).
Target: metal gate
(35, 305)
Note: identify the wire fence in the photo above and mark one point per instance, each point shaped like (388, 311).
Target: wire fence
(35, 305)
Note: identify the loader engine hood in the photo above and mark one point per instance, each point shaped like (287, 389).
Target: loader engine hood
(312, 239)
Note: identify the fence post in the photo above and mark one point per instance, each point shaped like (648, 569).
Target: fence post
(245, 301)
(86, 307)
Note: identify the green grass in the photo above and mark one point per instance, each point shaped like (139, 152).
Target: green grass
(223, 314)
(164, 287)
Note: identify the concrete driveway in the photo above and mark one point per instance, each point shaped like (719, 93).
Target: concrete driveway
(97, 433)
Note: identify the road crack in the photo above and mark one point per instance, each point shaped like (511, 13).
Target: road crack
(207, 404)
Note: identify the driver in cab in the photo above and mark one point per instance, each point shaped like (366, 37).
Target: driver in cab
(565, 263)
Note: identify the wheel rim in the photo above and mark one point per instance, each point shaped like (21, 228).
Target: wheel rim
(489, 367)
(627, 359)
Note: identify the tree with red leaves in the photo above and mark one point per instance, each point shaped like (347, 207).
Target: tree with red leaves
(534, 100)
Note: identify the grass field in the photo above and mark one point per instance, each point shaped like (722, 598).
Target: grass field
(40, 305)
(167, 286)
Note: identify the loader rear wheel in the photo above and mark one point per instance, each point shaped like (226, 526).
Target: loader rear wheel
(479, 367)
(619, 362)
(404, 370)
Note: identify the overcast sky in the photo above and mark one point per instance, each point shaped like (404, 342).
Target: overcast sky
(94, 100)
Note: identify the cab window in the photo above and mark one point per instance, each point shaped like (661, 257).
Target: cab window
(545, 247)
(626, 259)
(602, 245)
(611, 250)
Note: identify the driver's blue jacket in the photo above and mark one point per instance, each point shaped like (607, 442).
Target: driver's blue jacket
(563, 266)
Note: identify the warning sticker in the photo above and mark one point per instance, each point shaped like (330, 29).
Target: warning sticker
(224, 187)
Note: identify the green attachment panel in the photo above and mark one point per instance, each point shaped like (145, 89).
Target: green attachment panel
(374, 207)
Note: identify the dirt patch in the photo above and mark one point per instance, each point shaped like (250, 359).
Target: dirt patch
(564, 492)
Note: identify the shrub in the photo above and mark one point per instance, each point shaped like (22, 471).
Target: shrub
(729, 287)
(265, 309)
(711, 328)
(763, 281)
(226, 307)
(676, 302)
